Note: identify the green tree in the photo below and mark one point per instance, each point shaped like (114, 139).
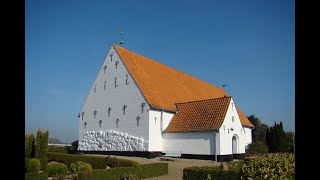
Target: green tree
(41, 144)
(29, 145)
(290, 141)
(260, 129)
(258, 145)
(276, 138)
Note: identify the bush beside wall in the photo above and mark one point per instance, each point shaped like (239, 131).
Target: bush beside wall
(97, 162)
(115, 162)
(142, 171)
(57, 149)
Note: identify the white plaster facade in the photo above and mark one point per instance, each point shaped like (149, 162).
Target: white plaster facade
(190, 142)
(104, 95)
(228, 129)
(158, 121)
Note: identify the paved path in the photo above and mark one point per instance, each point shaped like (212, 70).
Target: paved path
(175, 167)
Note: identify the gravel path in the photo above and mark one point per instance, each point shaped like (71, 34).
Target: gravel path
(175, 167)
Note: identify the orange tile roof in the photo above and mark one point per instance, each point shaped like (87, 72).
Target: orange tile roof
(244, 120)
(205, 115)
(164, 86)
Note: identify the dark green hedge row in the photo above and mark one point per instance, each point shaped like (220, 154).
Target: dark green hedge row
(36, 176)
(97, 162)
(57, 149)
(142, 171)
(195, 173)
(115, 162)
(43, 162)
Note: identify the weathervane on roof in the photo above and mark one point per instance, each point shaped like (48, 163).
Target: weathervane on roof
(121, 41)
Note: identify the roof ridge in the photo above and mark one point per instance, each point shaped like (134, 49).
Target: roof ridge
(205, 100)
(168, 66)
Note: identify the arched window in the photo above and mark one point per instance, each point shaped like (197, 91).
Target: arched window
(100, 122)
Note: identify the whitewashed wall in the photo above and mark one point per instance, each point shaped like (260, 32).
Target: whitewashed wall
(248, 135)
(158, 121)
(115, 97)
(226, 134)
(190, 142)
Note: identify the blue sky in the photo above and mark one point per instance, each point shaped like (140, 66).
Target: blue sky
(248, 45)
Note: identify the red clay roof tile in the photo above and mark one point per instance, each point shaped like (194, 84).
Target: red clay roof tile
(164, 86)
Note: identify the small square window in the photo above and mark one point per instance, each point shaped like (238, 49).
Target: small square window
(232, 118)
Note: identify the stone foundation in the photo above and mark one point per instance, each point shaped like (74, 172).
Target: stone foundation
(111, 141)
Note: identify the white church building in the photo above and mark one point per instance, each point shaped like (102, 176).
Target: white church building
(139, 107)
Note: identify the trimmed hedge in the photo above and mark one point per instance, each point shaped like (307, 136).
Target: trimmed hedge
(270, 166)
(34, 165)
(36, 176)
(57, 149)
(142, 171)
(97, 162)
(195, 173)
(115, 162)
(153, 170)
(57, 169)
(43, 163)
